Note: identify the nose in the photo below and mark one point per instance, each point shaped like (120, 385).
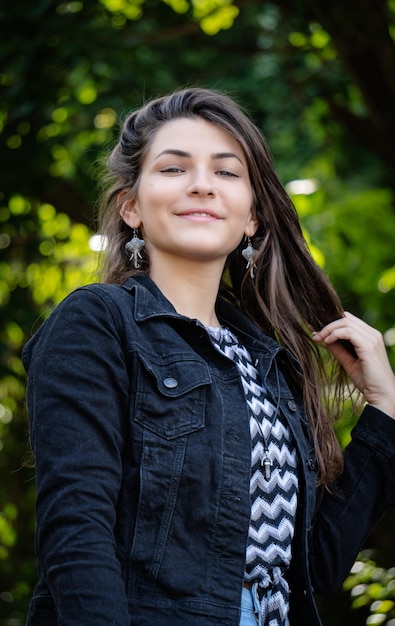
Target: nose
(202, 186)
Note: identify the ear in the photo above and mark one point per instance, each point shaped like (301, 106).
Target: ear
(129, 210)
(251, 226)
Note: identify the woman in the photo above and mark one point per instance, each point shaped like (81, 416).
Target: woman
(187, 470)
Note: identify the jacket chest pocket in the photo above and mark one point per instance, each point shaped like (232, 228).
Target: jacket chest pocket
(170, 399)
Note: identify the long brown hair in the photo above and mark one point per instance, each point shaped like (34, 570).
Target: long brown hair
(289, 294)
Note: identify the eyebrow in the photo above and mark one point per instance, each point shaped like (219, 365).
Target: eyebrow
(216, 156)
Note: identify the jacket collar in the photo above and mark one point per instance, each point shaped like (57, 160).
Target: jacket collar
(149, 302)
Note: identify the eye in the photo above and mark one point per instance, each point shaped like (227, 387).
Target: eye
(227, 173)
(172, 170)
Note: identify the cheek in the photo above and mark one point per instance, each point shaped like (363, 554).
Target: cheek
(247, 204)
(246, 197)
(154, 222)
(155, 198)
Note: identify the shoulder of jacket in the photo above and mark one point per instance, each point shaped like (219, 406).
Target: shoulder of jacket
(107, 292)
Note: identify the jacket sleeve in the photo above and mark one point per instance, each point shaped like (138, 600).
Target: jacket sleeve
(78, 413)
(365, 490)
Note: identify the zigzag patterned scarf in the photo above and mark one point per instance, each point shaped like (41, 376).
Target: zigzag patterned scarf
(274, 498)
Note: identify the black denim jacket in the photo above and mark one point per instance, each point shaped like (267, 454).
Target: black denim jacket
(142, 444)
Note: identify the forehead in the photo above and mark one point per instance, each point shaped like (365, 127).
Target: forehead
(193, 134)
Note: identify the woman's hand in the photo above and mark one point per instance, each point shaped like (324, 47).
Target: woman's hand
(369, 369)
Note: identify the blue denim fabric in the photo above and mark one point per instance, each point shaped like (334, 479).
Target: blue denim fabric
(141, 437)
(250, 611)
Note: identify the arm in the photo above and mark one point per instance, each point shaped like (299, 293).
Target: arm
(366, 488)
(369, 368)
(346, 515)
(78, 409)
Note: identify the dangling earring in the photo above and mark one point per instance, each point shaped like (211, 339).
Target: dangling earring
(133, 247)
(249, 253)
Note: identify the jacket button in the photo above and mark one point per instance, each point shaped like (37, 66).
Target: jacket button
(292, 405)
(311, 463)
(170, 383)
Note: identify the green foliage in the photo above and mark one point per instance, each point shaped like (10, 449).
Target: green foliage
(47, 256)
(356, 246)
(373, 587)
(212, 15)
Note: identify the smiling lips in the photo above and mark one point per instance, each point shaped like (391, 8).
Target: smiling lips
(199, 215)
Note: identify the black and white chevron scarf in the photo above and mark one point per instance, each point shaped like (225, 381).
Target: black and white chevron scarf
(273, 501)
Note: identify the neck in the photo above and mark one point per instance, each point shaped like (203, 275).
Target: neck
(191, 287)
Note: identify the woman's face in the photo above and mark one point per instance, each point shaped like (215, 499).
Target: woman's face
(194, 196)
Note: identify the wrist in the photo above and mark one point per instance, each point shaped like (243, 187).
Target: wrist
(386, 405)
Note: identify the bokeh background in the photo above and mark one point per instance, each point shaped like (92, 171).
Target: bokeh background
(318, 77)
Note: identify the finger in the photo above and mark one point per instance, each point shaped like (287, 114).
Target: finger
(350, 328)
